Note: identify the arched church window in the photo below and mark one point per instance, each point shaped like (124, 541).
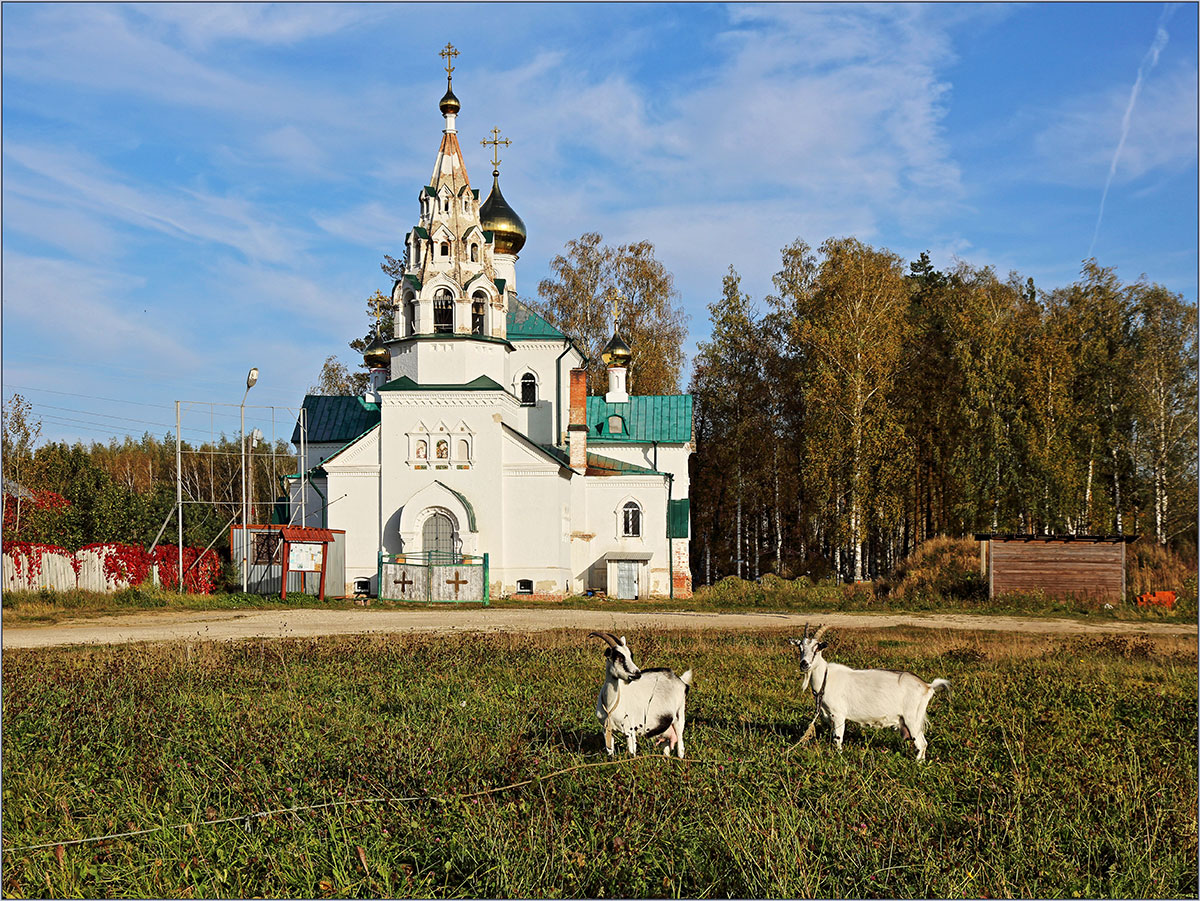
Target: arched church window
(443, 311)
(443, 449)
(528, 389)
(445, 248)
(411, 315)
(478, 307)
(631, 520)
(446, 205)
(474, 252)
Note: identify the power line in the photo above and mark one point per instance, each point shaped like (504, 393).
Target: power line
(91, 396)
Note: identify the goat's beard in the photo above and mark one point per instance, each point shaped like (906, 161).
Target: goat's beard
(807, 680)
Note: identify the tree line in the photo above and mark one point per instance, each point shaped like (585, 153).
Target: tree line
(124, 491)
(868, 407)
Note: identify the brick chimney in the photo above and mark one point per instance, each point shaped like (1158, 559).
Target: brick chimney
(577, 424)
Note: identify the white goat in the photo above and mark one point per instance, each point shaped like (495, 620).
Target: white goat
(871, 697)
(637, 702)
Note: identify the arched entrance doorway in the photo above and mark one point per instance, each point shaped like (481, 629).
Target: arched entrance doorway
(437, 537)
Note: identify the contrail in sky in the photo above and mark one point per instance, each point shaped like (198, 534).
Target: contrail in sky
(1149, 61)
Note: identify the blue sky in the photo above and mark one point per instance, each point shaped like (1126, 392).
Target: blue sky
(190, 190)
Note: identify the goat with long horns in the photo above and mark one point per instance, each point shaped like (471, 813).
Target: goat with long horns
(635, 701)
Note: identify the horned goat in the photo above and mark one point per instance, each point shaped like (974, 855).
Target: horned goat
(870, 697)
(635, 701)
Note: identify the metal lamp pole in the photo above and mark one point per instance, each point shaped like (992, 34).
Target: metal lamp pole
(251, 378)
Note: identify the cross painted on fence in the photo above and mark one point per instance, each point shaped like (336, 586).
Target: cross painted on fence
(404, 581)
(457, 582)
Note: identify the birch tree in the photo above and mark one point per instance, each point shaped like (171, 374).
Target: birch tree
(578, 300)
(1164, 396)
(850, 329)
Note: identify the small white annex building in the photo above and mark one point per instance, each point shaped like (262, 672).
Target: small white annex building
(478, 437)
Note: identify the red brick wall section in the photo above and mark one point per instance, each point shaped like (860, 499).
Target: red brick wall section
(681, 576)
(578, 397)
(577, 430)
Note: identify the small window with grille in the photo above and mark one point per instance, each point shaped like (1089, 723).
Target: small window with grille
(631, 520)
(528, 390)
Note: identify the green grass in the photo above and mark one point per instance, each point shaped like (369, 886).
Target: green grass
(46, 607)
(731, 595)
(1060, 768)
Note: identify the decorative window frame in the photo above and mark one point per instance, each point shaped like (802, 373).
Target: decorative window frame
(619, 519)
(608, 425)
(418, 435)
(459, 434)
(519, 387)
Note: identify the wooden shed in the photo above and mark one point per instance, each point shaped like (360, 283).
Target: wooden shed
(1084, 566)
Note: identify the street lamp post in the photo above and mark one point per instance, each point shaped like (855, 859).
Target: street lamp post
(251, 378)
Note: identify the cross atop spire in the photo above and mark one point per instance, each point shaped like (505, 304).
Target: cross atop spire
(377, 300)
(496, 141)
(617, 297)
(448, 53)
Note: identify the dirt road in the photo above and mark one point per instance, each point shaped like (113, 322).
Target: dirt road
(228, 625)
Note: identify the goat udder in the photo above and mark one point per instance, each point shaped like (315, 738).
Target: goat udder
(671, 737)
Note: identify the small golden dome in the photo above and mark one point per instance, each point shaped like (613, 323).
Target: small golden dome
(449, 103)
(376, 356)
(496, 216)
(616, 352)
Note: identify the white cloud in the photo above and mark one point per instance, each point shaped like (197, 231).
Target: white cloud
(372, 224)
(77, 181)
(1076, 146)
(60, 303)
(201, 25)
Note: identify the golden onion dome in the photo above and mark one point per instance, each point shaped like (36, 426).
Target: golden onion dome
(376, 356)
(616, 352)
(449, 103)
(496, 216)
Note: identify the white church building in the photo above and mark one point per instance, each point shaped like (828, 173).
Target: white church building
(477, 436)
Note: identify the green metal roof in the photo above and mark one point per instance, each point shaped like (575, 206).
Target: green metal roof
(337, 418)
(412, 280)
(500, 283)
(431, 190)
(422, 231)
(404, 383)
(656, 417)
(525, 324)
(598, 465)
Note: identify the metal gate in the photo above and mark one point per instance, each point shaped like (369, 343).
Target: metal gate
(627, 579)
(434, 577)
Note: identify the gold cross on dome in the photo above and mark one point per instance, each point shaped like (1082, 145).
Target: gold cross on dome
(617, 297)
(448, 53)
(378, 302)
(496, 141)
